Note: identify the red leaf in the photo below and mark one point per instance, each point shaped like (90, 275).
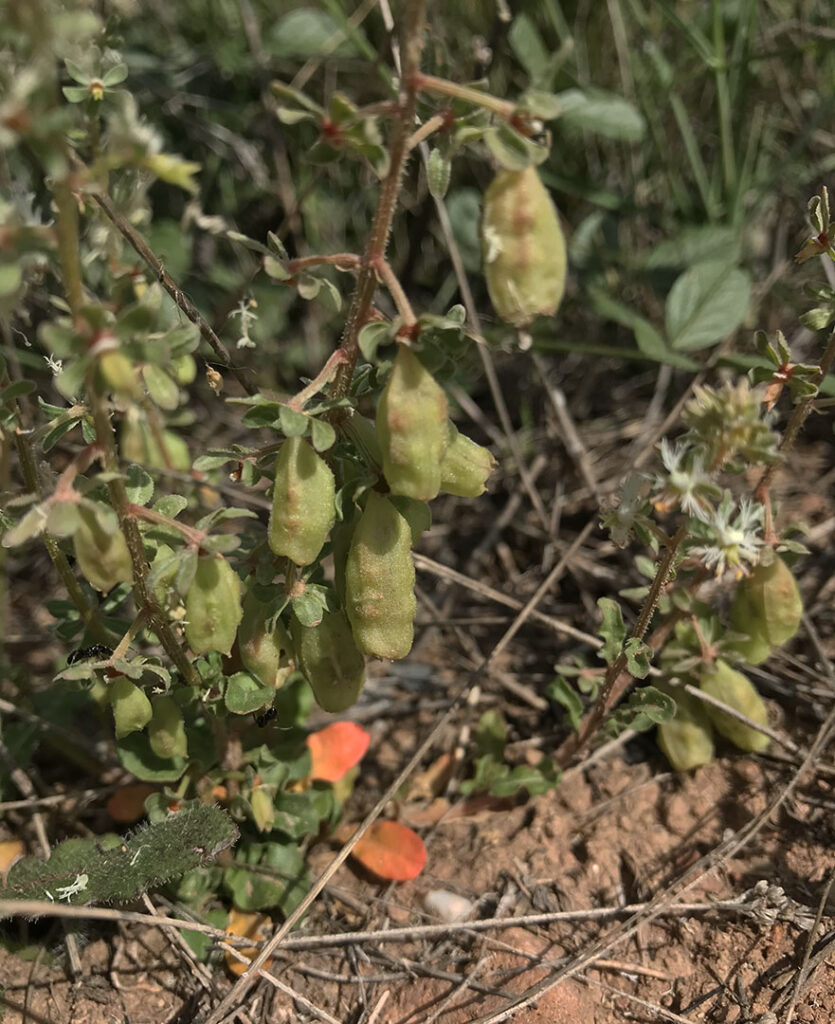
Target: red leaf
(335, 749)
(392, 851)
(127, 804)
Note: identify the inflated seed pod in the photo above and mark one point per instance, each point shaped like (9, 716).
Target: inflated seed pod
(412, 428)
(303, 508)
(768, 607)
(166, 730)
(330, 660)
(267, 654)
(131, 708)
(103, 557)
(738, 692)
(118, 374)
(523, 247)
(687, 739)
(213, 606)
(380, 581)
(465, 466)
(138, 444)
(262, 803)
(755, 647)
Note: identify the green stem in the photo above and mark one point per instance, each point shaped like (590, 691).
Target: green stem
(67, 226)
(429, 83)
(89, 615)
(724, 104)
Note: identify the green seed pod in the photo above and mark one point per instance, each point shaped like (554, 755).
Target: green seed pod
(756, 647)
(263, 809)
(118, 374)
(131, 708)
(303, 508)
(523, 247)
(268, 655)
(412, 428)
(103, 557)
(465, 466)
(687, 739)
(380, 581)
(738, 692)
(167, 731)
(330, 660)
(138, 444)
(213, 606)
(768, 607)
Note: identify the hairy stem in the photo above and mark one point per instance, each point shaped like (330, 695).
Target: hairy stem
(398, 150)
(617, 680)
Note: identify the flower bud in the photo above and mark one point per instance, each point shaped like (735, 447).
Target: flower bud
(380, 581)
(329, 659)
(103, 558)
(523, 246)
(213, 606)
(131, 708)
(412, 428)
(303, 508)
(465, 466)
(738, 692)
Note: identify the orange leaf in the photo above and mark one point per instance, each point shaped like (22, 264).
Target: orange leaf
(335, 749)
(248, 926)
(10, 851)
(392, 851)
(127, 804)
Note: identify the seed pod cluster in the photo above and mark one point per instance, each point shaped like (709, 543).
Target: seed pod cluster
(213, 606)
(412, 428)
(303, 503)
(380, 581)
(738, 692)
(523, 247)
(768, 608)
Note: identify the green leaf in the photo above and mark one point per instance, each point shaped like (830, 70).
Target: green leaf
(11, 277)
(694, 245)
(645, 708)
(267, 875)
(296, 814)
(293, 424)
(63, 518)
(31, 525)
(611, 629)
(602, 113)
(115, 75)
(638, 655)
(135, 755)
(706, 303)
(171, 505)
(244, 694)
(310, 606)
(564, 693)
(139, 485)
(322, 435)
(527, 45)
(491, 734)
(306, 34)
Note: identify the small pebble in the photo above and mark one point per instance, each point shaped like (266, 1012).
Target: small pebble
(448, 906)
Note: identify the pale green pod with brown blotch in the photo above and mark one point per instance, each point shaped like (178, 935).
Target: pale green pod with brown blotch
(738, 692)
(167, 730)
(213, 606)
(330, 660)
(103, 558)
(465, 466)
(303, 509)
(266, 653)
(380, 581)
(523, 248)
(412, 428)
